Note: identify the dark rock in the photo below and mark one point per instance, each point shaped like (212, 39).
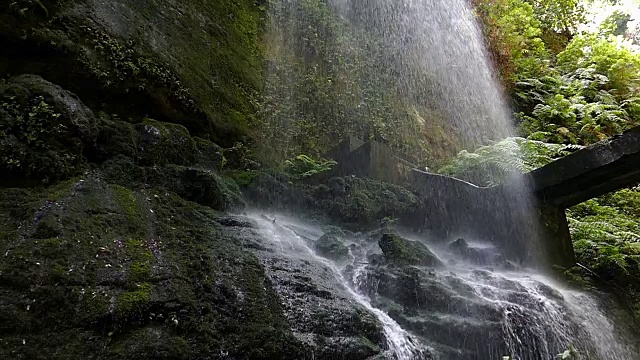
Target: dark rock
(201, 186)
(331, 247)
(115, 138)
(401, 251)
(235, 222)
(476, 255)
(348, 348)
(131, 274)
(43, 131)
(362, 204)
(165, 143)
(209, 154)
(47, 228)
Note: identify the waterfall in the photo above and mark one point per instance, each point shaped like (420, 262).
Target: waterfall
(470, 311)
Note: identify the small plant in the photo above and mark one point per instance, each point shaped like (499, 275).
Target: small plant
(569, 354)
(303, 166)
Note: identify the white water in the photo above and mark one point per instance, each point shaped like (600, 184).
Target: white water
(398, 340)
(536, 318)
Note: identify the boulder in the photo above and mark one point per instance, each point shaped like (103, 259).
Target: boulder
(165, 143)
(44, 131)
(197, 185)
(331, 247)
(401, 251)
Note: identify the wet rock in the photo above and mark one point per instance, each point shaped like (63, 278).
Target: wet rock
(348, 348)
(115, 138)
(235, 221)
(401, 251)
(331, 247)
(44, 131)
(476, 255)
(320, 310)
(209, 155)
(165, 143)
(129, 273)
(198, 185)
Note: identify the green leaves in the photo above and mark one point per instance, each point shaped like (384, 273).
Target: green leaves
(303, 166)
(575, 108)
(491, 164)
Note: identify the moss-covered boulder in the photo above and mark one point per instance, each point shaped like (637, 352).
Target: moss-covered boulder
(165, 143)
(44, 131)
(398, 250)
(209, 155)
(331, 247)
(201, 186)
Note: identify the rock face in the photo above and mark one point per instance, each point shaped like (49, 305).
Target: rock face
(93, 267)
(354, 203)
(194, 63)
(321, 312)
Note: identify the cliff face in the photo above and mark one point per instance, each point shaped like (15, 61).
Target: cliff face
(110, 112)
(113, 238)
(192, 62)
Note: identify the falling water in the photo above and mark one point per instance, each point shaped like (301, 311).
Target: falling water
(398, 340)
(389, 70)
(345, 67)
(470, 311)
(437, 50)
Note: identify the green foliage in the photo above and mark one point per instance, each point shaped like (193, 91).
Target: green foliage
(605, 56)
(491, 164)
(24, 7)
(576, 108)
(616, 24)
(570, 353)
(513, 35)
(304, 166)
(559, 15)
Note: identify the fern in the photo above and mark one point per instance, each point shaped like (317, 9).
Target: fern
(303, 166)
(491, 164)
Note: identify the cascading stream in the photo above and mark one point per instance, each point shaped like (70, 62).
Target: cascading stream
(460, 310)
(398, 340)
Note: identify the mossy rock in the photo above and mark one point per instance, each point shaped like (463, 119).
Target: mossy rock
(331, 247)
(115, 138)
(198, 185)
(209, 155)
(398, 250)
(194, 63)
(44, 131)
(165, 143)
(129, 273)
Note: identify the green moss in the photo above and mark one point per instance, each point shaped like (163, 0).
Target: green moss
(401, 251)
(165, 143)
(135, 301)
(121, 67)
(128, 202)
(141, 260)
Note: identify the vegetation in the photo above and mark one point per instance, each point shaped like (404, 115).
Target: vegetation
(303, 166)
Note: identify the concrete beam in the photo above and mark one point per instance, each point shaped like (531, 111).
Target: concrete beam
(601, 168)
